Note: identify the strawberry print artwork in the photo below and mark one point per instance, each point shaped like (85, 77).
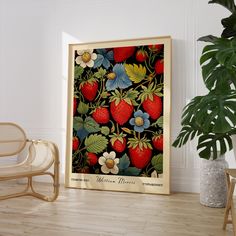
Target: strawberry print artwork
(118, 111)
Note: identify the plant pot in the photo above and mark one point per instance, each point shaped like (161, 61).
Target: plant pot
(213, 188)
(234, 145)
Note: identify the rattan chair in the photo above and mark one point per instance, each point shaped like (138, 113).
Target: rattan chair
(42, 158)
(231, 181)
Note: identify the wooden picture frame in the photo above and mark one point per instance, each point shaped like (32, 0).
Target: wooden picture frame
(118, 123)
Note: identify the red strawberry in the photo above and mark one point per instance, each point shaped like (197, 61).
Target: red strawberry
(119, 146)
(101, 115)
(156, 47)
(153, 107)
(75, 143)
(118, 142)
(121, 112)
(141, 55)
(92, 158)
(123, 53)
(140, 157)
(159, 66)
(157, 142)
(89, 89)
(74, 106)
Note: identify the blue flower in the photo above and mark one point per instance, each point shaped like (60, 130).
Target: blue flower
(140, 121)
(118, 78)
(103, 58)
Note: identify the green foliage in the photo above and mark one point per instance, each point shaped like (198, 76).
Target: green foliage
(95, 143)
(89, 124)
(213, 112)
(78, 71)
(157, 163)
(77, 123)
(131, 171)
(124, 168)
(83, 108)
(229, 4)
(105, 130)
(158, 122)
(100, 74)
(228, 23)
(212, 118)
(124, 162)
(135, 72)
(149, 91)
(218, 64)
(207, 145)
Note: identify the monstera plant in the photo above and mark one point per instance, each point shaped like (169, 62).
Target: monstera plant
(212, 117)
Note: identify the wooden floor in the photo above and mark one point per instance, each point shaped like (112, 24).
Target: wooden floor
(92, 213)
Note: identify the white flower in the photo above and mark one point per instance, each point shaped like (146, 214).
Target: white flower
(109, 163)
(154, 174)
(85, 58)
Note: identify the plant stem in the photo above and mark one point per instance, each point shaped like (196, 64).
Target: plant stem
(117, 128)
(161, 79)
(121, 92)
(150, 131)
(81, 149)
(146, 81)
(147, 67)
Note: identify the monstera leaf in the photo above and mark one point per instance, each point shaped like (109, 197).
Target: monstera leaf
(188, 132)
(219, 63)
(212, 118)
(213, 112)
(229, 23)
(229, 4)
(207, 145)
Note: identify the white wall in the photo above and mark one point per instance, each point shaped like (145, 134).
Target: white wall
(34, 36)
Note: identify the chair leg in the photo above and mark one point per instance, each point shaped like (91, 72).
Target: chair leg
(25, 192)
(44, 197)
(230, 206)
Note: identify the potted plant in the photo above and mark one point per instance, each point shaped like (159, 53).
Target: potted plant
(212, 117)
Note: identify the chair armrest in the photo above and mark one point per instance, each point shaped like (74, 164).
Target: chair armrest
(31, 153)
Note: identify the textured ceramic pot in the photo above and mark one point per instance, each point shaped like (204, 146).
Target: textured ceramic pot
(213, 188)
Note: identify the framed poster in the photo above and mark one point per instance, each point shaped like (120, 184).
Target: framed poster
(118, 131)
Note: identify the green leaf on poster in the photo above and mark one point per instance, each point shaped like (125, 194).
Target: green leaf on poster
(105, 130)
(157, 163)
(78, 71)
(95, 143)
(135, 72)
(77, 123)
(100, 74)
(132, 171)
(83, 108)
(91, 125)
(158, 122)
(124, 162)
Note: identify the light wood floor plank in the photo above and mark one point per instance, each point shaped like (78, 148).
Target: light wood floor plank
(102, 213)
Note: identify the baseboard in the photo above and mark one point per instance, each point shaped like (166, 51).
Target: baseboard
(185, 185)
